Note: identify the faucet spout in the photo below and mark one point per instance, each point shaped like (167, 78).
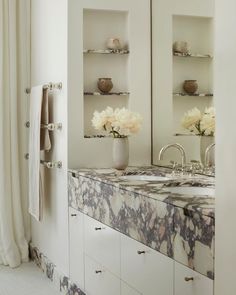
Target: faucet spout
(179, 147)
(207, 154)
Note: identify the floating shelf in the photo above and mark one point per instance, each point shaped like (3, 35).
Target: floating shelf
(106, 51)
(196, 94)
(97, 136)
(194, 55)
(106, 94)
(185, 134)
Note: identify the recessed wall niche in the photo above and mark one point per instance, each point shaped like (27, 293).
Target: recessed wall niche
(196, 65)
(98, 27)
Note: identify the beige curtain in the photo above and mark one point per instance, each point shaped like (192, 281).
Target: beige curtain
(14, 78)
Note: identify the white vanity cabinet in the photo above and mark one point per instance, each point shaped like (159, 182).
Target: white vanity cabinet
(148, 271)
(76, 247)
(189, 282)
(127, 290)
(102, 243)
(98, 280)
(104, 261)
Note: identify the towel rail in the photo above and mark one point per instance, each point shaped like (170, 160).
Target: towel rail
(49, 165)
(50, 126)
(51, 86)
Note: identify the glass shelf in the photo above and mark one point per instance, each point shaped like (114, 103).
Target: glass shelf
(106, 51)
(196, 94)
(124, 93)
(193, 55)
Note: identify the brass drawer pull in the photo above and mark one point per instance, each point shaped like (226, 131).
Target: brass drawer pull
(187, 279)
(141, 252)
(98, 271)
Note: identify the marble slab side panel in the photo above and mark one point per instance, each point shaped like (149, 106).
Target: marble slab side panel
(76, 190)
(194, 241)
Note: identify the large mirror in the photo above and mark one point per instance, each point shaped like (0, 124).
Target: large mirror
(183, 101)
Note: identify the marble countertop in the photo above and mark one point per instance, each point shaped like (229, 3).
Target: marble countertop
(157, 190)
(179, 226)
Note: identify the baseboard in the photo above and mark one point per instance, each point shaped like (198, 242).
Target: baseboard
(60, 281)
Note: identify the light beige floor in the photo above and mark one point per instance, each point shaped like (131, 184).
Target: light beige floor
(25, 280)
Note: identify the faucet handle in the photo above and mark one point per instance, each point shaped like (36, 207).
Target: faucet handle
(174, 165)
(209, 170)
(196, 166)
(176, 168)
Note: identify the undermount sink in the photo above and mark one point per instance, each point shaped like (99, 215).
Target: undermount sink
(192, 190)
(144, 178)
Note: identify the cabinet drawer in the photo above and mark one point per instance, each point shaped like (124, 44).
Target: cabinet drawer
(127, 290)
(189, 282)
(145, 269)
(98, 280)
(102, 244)
(76, 247)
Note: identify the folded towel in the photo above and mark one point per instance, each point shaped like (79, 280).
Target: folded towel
(45, 142)
(39, 139)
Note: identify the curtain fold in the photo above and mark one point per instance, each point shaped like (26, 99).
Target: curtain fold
(14, 78)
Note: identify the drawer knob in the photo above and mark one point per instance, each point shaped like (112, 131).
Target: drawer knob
(187, 279)
(73, 215)
(98, 271)
(141, 252)
(99, 228)
(27, 124)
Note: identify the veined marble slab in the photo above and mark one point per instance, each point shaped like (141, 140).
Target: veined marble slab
(179, 226)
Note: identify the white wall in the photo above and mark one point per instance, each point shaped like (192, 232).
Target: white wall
(49, 63)
(225, 77)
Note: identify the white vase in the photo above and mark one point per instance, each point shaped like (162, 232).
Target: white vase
(205, 141)
(120, 153)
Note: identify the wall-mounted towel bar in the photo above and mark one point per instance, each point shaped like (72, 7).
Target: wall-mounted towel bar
(50, 86)
(50, 126)
(49, 165)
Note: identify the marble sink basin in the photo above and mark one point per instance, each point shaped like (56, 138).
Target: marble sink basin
(191, 190)
(144, 178)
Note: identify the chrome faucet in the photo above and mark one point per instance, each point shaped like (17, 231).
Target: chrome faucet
(207, 154)
(178, 147)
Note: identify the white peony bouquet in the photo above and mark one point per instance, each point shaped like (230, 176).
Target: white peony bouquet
(198, 123)
(119, 122)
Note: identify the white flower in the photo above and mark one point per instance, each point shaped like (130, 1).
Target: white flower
(103, 120)
(191, 119)
(126, 122)
(200, 124)
(210, 111)
(119, 122)
(207, 124)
